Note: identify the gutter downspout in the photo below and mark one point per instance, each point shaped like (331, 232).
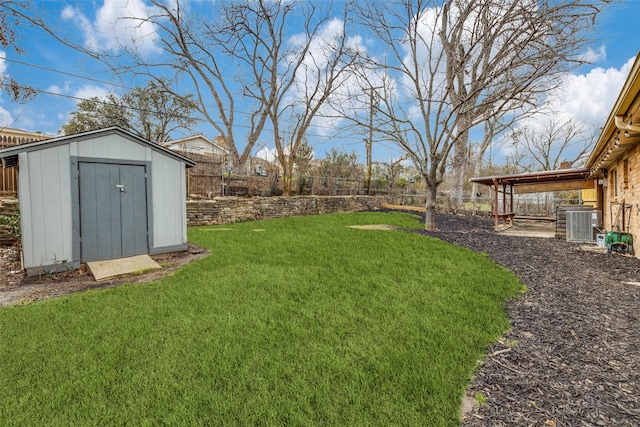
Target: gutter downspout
(620, 124)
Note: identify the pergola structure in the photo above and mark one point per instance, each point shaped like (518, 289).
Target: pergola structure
(504, 186)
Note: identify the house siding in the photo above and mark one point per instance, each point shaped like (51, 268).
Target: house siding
(629, 192)
(615, 158)
(197, 145)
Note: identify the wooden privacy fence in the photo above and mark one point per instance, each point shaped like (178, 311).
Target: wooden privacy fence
(205, 178)
(8, 181)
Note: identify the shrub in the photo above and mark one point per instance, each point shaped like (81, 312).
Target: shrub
(12, 223)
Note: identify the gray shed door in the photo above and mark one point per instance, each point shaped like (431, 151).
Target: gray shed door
(113, 211)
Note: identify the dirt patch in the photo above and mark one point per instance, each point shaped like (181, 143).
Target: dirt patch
(375, 227)
(572, 357)
(16, 288)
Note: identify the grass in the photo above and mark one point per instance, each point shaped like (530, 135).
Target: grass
(480, 207)
(307, 322)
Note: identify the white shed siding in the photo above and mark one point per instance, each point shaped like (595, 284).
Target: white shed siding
(168, 201)
(112, 147)
(46, 211)
(49, 194)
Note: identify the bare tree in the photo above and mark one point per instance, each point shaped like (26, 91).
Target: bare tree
(338, 166)
(549, 143)
(195, 49)
(493, 128)
(456, 64)
(548, 147)
(515, 52)
(391, 171)
(11, 18)
(245, 65)
(290, 77)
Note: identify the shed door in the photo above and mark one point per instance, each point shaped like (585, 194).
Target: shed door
(113, 211)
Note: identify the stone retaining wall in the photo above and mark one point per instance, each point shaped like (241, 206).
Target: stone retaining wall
(227, 210)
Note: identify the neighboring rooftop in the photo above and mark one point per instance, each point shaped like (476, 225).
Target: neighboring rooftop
(10, 137)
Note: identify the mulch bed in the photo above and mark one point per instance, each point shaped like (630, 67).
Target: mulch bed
(572, 357)
(16, 288)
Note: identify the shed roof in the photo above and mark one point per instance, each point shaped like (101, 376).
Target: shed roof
(9, 156)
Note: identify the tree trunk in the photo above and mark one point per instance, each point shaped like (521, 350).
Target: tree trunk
(286, 183)
(287, 175)
(460, 163)
(475, 187)
(430, 214)
(458, 172)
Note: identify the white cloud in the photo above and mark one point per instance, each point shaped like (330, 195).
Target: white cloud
(347, 94)
(118, 25)
(73, 14)
(593, 56)
(3, 63)
(33, 120)
(90, 91)
(58, 89)
(589, 97)
(585, 98)
(5, 118)
(80, 93)
(268, 154)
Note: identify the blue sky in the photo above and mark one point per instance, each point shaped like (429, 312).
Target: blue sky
(588, 94)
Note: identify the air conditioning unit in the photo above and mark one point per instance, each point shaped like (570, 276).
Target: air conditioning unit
(580, 225)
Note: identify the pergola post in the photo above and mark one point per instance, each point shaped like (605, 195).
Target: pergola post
(511, 209)
(559, 180)
(495, 203)
(504, 202)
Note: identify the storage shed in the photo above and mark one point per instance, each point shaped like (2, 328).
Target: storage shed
(98, 195)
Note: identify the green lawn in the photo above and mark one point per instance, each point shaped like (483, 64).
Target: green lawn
(297, 321)
(481, 207)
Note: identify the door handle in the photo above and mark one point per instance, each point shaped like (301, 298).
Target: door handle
(120, 187)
